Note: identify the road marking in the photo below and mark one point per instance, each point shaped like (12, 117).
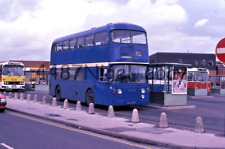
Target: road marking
(80, 131)
(6, 146)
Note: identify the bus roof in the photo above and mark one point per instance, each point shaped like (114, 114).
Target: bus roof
(170, 64)
(197, 69)
(12, 63)
(108, 27)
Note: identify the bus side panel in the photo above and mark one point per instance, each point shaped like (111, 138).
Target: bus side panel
(74, 90)
(191, 85)
(101, 92)
(80, 55)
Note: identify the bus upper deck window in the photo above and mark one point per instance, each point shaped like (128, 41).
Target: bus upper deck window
(101, 38)
(89, 41)
(59, 46)
(80, 42)
(73, 43)
(121, 36)
(138, 37)
(128, 36)
(54, 48)
(65, 45)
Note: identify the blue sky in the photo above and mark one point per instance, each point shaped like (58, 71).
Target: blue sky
(27, 28)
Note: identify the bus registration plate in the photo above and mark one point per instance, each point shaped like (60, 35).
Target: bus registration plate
(14, 86)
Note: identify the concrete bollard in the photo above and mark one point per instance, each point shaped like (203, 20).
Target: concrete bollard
(135, 116)
(10, 95)
(163, 123)
(54, 102)
(21, 96)
(43, 100)
(78, 106)
(199, 127)
(28, 97)
(15, 96)
(65, 104)
(35, 98)
(111, 113)
(91, 109)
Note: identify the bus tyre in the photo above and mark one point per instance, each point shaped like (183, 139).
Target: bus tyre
(58, 93)
(89, 98)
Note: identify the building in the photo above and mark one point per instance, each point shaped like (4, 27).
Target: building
(35, 65)
(198, 60)
(220, 67)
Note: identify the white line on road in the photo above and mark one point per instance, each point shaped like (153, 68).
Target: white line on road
(6, 146)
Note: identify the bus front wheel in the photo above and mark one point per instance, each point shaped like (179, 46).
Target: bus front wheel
(89, 98)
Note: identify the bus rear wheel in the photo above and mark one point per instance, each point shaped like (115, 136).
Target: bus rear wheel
(89, 98)
(58, 93)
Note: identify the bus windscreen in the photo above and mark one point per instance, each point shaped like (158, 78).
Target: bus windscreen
(130, 73)
(13, 70)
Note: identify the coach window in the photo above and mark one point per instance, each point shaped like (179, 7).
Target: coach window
(89, 41)
(73, 43)
(59, 46)
(101, 38)
(66, 45)
(80, 42)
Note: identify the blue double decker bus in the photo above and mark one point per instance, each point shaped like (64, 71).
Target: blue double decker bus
(107, 65)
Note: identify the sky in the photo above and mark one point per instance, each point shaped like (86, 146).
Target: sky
(28, 27)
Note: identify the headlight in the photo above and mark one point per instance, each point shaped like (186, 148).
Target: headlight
(119, 91)
(142, 96)
(3, 100)
(142, 90)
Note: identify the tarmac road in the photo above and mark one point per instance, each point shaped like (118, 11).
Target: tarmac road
(25, 132)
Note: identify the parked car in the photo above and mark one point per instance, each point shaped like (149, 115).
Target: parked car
(2, 103)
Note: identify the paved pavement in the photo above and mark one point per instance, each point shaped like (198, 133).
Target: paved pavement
(119, 127)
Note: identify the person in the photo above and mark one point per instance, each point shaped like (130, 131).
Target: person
(179, 82)
(175, 83)
(183, 84)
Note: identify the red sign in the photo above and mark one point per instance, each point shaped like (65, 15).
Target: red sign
(220, 50)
